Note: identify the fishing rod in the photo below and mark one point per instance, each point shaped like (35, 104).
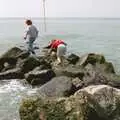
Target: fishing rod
(44, 13)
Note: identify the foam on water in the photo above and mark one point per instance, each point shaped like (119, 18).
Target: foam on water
(11, 92)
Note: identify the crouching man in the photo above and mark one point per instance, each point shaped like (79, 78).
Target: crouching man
(59, 48)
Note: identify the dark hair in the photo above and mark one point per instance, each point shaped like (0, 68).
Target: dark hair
(28, 22)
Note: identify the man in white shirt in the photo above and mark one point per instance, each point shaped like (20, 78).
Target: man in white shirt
(31, 34)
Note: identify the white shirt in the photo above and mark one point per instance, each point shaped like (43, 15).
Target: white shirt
(31, 32)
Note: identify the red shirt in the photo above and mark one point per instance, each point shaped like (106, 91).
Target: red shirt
(55, 43)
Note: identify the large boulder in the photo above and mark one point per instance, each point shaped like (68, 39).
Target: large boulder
(38, 109)
(36, 77)
(57, 87)
(100, 74)
(72, 108)
(105, 100)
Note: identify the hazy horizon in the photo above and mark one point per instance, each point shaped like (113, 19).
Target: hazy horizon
(60, 8)
(61, 17)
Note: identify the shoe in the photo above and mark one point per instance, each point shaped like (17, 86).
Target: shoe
(33, 55)
(33, 52)
(57, 63)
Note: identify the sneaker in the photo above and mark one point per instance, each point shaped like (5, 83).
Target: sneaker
(33, 52)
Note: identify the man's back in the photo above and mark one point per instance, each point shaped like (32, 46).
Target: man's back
(32, 31)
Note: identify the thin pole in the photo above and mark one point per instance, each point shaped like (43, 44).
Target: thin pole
(44, 13)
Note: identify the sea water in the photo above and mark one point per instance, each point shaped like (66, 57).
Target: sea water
(83, 35)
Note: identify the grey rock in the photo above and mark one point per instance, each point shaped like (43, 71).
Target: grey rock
(91, 58)
(39, 77)
(57, 87)
(70, 71)
(94, 76)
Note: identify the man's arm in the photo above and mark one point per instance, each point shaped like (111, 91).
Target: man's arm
(47, 47)
(37, 33)
(49, 51)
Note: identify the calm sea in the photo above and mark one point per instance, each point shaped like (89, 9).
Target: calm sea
(82, 36)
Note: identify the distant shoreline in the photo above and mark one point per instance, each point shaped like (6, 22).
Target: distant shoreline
(79, 18)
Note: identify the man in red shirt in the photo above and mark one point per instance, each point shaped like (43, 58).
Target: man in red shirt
(59, 46)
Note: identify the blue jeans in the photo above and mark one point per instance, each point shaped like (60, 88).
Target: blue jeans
(30, 45)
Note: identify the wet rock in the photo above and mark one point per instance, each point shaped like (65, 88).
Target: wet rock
(43, 63)
(1, 67)
(45, 66)
(57, 87)
(72, 58)
(7, 60)
(13, 52)
(7, 67)
(10, 58)
(23, 55)
(39, 77)
(28, 64)
(12, 74)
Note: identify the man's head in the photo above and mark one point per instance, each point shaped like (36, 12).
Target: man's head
(53, 40)
(28, 22)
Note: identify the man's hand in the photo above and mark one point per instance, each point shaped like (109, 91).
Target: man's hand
(25, 38)
(49, 51)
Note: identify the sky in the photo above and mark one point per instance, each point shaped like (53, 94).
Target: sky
(60, 8)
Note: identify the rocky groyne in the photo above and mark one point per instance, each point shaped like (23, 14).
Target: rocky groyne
(82, 88)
